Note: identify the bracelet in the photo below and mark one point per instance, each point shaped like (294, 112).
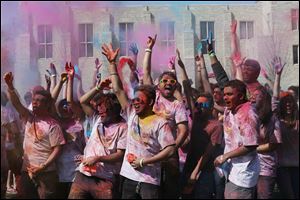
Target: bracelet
(98, 88)
(148, 50)
(112, 62)
(141, 162)
(211, 53)
(53, 75)
(116, 74)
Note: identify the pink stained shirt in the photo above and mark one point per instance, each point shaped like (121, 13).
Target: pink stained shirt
(145, 139)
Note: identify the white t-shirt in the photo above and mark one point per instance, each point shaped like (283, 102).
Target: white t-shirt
(242, 129)
(105, 141)
(144, 140)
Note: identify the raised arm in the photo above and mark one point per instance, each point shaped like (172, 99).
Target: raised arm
(200, 63)
(134, 79)
(86, 98)
(237, 62)
(98, 65)
(52, 73)
(111, 56)
(235, 52)
(278, 67)
(48, 82)
(57, 89)
(147, 79)
(268, 79)
(13, 97)
(217, 68)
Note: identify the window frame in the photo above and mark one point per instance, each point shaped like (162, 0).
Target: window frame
(86, 43)
(44, 44)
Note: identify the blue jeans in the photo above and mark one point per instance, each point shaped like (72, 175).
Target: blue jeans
(288, 182)
(136, 190)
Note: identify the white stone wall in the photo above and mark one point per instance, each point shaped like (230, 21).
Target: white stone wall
(270, 19)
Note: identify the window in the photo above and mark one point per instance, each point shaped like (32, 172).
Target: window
(85, 40)
(205, 29)
(246, 30)
(295, 54)
(167, 35)
(295, 19)
(45, 41)
(125, 36)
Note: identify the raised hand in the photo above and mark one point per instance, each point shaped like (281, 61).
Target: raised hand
(171, 63)
(179, 61)
(110, 54)
(104, 84)
(48, 80)
(8, 77)
(209, 42)
(70, 69)
(199, 49)
(151, 41)
(277, 65)
(98, 64)
(211, 75)
(233, 27)
(133, 48)
(63, 77)
(199, 59)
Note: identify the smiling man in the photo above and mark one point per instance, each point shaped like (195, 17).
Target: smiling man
(241, 131)
(149, 138)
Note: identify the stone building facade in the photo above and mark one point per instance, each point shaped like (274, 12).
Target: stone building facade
(265, 29)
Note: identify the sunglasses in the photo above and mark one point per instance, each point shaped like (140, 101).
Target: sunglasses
(171, 81)
(137, 100)
(202, 105)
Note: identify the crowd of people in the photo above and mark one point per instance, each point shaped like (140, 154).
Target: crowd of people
(151, 138)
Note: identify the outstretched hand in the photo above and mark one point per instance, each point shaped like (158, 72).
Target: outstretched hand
(151, 41)
(133, 48)
(209, 42)
(70, 69)
(48, 80)
(238, 61)
(104, 84)
(98, 64)
(277, 65)
(109, 53)
(171, 63)
(179, 61)
(8, 77)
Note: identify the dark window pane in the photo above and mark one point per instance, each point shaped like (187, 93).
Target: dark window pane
(242, 30)
(82, 50)
(41, 34)
(204, 47)
(48, 34)
(81, 32)
(295, 54)
(164, 43)
(250, 30)
(130, 32)
(163, 30)
(122, 32)
(211, 29)
(171, 31)
(171, 47)
(41, 51)
(89, 50)
(89, 32)
(49, 50)
(203, 30)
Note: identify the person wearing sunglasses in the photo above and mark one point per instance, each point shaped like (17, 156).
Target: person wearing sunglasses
(206, 138)
(167, 106)
(149, 138)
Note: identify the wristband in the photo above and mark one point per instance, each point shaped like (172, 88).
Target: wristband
(112, 62)
(211, 53)
(141, 162)
(116, 74)
(97, 88)
(148, 50)
(53, 75)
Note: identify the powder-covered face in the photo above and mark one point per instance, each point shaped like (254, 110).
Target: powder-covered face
(249, 74)
(140, 102)
(39, 103)
(232, 98)
(167, 86)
